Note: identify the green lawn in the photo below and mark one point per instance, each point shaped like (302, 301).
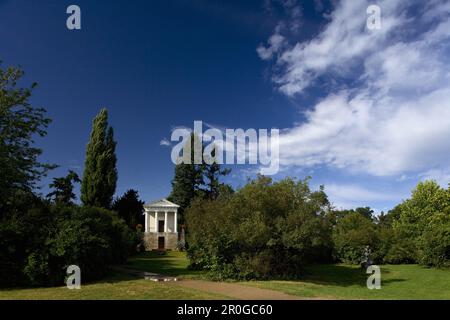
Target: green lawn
(119, 286)
(172, 263)
(116, 287)
(321, 281)
(349, 282)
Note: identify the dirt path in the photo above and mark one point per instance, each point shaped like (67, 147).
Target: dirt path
(231, 290)
(235, 291)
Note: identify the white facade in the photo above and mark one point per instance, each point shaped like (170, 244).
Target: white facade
(161, 224)
(171, 223)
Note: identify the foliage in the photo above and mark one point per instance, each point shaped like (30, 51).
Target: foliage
(435, 246)
(63, 188)
(100, 173)
(395, 247)
(43, 240)
(212, 172)
(130, 208)
(39, 239)
(22, 230)
(429, 205)
(424, 221)
(351, 235)
(20, 123)
(193, 180)
(187, 179)
(264, 230)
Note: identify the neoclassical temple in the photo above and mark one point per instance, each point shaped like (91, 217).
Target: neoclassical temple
(161, 227)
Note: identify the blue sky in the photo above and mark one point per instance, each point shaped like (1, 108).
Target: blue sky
(364, 112)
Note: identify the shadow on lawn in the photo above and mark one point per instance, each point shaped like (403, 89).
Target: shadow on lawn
(341, 275)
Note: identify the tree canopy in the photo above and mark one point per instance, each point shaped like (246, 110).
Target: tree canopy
(130, 208)
(20, 123)
(63, 188)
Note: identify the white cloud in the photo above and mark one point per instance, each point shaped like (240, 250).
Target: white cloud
(293, 10)
(441, 176)
(275, 43)
(164, 142)
(393, 117)
(350, 196)
(337, 48)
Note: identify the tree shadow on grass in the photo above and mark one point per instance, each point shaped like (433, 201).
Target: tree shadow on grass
(341, 275)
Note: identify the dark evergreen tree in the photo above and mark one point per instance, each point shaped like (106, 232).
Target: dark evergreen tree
(63, 188)
(100, 172)
(186, 182)
(130, 208)
(197, 180)
(212, 173)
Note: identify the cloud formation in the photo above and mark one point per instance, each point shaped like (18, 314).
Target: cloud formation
(386, 108)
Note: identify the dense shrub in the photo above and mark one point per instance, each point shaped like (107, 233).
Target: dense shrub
(23, 229)
(351, 235)
(42, 242)
(264, 230)
(435, 246)
(395, 247)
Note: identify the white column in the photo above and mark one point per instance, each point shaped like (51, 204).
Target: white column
(175, 222)
(165, 221)
(156, 221)
(146, 222)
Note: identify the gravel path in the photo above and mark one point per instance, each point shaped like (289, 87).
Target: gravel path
(228, 289)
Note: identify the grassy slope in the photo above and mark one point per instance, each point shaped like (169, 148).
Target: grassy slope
(349, 282)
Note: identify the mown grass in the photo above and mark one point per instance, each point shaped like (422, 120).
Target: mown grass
(171, 263)
(349, 282)
(115, 287)
(321, 281)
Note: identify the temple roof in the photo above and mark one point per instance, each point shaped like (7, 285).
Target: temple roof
(161, 203)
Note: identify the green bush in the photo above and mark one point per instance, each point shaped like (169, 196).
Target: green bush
(264, 230)
(395, 247)
(435, 246)
(24, 228)
(351, 235)
(42, 242)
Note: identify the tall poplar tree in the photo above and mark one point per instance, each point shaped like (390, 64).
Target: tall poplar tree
(100, 173)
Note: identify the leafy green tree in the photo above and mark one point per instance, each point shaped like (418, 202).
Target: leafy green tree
(352, 233)
(264, 230)
(366, 212)
(100, 172)
(424, 220)
(63, 188)
(429, 204)
(388, 219)
(20, 123)
(435, 245)
(130, 208)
